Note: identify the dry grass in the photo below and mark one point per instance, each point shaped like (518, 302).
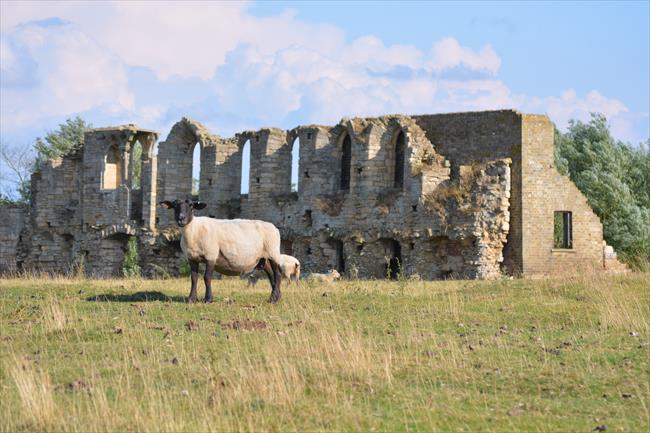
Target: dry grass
(36, 394)
(514, 355)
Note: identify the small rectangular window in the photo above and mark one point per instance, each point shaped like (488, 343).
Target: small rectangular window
(562, 230)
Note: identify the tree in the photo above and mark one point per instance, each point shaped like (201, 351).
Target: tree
(21, 162)
(615, 178)
(68, 138)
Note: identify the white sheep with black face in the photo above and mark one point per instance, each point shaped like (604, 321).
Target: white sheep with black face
(231, 247)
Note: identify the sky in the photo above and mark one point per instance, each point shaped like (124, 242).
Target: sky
(246, 65)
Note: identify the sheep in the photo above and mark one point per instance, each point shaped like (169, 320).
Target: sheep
(329, 277)
(289, 265)
(231, 247)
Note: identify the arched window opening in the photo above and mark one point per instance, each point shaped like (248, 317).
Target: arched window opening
(245, 168)
(295, 164)
(196, 170)
(400, 145)
(136, 165)
(346, 162)
(112, 169)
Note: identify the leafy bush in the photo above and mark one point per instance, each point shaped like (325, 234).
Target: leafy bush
(615, 178)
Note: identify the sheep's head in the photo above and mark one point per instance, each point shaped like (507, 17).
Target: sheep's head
(183, 210)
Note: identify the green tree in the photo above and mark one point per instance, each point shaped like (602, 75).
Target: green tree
(68, 138)
(615, 178)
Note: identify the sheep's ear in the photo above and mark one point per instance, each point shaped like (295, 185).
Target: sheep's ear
(198, 205)
(166, 204)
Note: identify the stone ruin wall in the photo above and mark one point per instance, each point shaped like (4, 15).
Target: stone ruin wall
(474, 194)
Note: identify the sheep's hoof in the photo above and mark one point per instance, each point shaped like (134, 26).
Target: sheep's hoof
(208, 300)
(191, 299)
(274, 299)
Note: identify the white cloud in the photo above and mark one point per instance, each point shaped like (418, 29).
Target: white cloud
(70, 73)
(240, 69)
(448, 54)
(569, 106)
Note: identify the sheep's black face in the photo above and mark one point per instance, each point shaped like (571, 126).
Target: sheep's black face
(183, 210)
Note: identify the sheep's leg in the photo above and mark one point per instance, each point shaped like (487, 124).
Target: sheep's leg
(268, 269)
(207, 279)
(275, 288)
(194, 266)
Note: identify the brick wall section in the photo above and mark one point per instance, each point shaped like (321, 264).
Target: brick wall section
(465, 138)
(545, 191)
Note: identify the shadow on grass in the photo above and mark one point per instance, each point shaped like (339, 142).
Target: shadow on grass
(136, 297)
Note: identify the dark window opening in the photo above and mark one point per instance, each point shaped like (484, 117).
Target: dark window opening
(308, 251)
(415, 208)
(340, 255)
(394, 255)
(346, 162)
(257, 180)
(562, 230)
(359, 248)
(400, 144)
(307, 218)
(412, 245)
(307, 174)
(309, 136)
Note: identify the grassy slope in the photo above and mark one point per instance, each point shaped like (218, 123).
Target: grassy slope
(515, 355)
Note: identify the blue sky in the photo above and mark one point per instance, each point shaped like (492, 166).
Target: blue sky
(238, 65)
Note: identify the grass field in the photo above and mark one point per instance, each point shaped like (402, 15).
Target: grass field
(512, 355)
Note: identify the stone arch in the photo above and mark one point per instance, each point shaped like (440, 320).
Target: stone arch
(175, 155)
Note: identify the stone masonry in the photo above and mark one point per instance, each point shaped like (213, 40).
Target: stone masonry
(463, 195)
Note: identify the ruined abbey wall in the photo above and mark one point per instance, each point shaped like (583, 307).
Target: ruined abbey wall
(469, 195)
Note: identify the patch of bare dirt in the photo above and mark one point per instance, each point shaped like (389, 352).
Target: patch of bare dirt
(245, 325)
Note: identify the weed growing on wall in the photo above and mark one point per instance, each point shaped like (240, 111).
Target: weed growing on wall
(131, 268)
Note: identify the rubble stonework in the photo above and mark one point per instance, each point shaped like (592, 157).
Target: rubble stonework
(468, 195)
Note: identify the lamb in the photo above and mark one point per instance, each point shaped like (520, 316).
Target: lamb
(231, 247)
(329, 277)
(289, 265)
